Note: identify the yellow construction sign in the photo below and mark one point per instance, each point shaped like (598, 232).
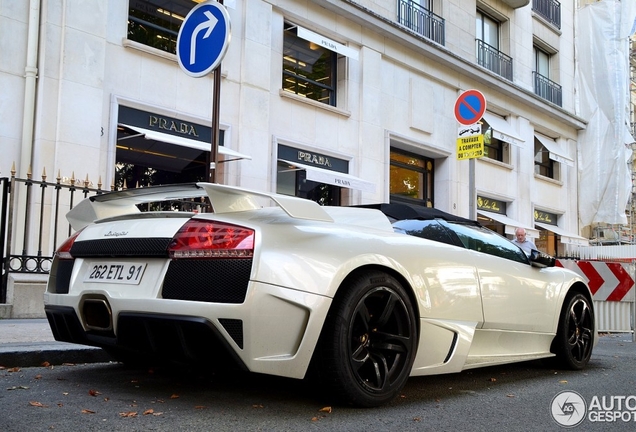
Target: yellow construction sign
(470, 147)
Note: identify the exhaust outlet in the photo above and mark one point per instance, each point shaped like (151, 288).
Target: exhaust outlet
(97, 315)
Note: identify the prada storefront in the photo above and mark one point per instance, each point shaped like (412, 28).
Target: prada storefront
(153, 149)
(315, 176)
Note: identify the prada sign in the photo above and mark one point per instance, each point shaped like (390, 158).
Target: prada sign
(313, 159)
(310, 158)
(164, 124)
(167, 124)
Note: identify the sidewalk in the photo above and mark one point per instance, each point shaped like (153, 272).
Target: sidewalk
(29, 342)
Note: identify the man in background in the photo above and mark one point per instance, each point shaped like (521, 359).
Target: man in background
(520, 240)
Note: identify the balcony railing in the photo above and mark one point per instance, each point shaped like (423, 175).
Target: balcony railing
(547, 89)
(550, 10)
(421, 21)
(494, 60)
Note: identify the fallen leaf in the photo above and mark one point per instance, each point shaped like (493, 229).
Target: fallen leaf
(18, 388)
(492, 379)
(38, 376)
(417, 419)
(149, 411)
(314, 419)
(128, 414)
(563, 381)
(200, 407)
(65, 394)
(68, 364)
(14, 369)
(87, 411)
(93, 392)
(174, 396)
(60, 405)
(510, 395)
(257, 406)
(45, 364)
(157, 414)
(37, 404)
(325, 409)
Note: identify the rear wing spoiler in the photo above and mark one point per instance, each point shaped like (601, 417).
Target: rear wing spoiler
(224, 199)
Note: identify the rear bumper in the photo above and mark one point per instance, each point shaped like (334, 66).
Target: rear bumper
(274, 331)
(157, 337)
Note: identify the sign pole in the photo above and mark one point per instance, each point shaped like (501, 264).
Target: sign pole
(216, 102)
(472, 190)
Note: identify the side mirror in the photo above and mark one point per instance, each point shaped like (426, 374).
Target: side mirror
(539, 259)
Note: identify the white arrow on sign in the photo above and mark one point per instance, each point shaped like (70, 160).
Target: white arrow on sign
(205, 25)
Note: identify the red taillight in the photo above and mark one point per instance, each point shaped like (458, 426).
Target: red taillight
(209, 239)
(64, 251)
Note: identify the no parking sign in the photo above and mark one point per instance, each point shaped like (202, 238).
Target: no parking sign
(470, 107)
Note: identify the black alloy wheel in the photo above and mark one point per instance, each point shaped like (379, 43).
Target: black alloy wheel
(575, 335)
(369, 341)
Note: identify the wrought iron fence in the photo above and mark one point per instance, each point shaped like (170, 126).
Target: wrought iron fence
(32, 223)
(550, 10)
(547, 89)
(494, 60)
(421, 20)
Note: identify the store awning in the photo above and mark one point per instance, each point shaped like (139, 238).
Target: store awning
(510, 224)
(566, 237)
(556, 154)
(502, 130)
(228, 154)
(327, 43)
(334, 178)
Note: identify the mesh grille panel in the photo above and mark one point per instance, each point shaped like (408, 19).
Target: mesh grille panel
(213, 280)
(146, 247)
(234, 327)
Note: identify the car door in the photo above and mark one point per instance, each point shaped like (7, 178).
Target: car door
(515, 295)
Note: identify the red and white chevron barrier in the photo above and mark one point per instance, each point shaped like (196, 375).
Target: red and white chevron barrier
(608, 281)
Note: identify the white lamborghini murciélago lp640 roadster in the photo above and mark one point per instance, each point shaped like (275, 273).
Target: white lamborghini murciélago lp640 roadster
(364, 296)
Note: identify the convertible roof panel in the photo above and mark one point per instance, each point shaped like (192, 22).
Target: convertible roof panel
(401, 211)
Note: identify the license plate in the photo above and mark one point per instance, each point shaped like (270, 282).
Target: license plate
(115, 272)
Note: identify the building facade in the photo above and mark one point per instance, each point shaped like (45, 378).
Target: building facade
(339, 101)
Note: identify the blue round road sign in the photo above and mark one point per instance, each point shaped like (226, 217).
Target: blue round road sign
(203, 38)
(470, 107)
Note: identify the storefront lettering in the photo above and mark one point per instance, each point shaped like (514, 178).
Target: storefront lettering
(344, 183)
(329, 45)
(314, 159)
(174, 126)
(540, 216)
(490, 205)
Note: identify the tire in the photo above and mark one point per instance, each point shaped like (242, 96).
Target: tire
(575, 335)
(369, 341)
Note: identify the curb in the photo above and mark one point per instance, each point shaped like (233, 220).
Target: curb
(51, 353)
